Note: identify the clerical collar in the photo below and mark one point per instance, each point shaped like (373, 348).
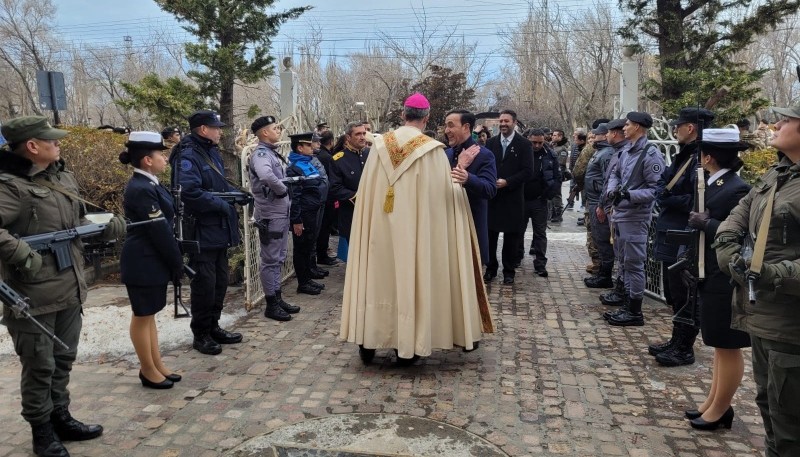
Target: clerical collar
(720, 173)
(149, 176)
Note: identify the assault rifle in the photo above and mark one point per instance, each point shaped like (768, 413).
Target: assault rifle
(240, 198)
(19, 305)
(58, 242)
(186, 246)
(297, 179)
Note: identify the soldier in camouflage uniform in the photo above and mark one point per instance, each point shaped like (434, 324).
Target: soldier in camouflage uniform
(38, 195)
(561, 147)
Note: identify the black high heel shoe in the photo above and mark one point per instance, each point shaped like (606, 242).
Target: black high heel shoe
(726, 421)
(692, 414)
(165, 384)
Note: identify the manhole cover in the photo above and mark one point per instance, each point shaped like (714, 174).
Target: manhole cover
(368, 435)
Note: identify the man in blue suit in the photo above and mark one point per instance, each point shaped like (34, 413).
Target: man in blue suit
(473, 166)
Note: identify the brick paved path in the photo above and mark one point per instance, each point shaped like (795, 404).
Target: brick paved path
(553, 380)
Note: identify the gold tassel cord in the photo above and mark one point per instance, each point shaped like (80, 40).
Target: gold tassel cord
(388, 203)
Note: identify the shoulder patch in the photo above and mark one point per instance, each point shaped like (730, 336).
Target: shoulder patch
(186, 165)
(656, 168)
(261, 153)
(338, 155)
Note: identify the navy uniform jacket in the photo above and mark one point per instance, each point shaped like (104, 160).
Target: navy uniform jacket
(345, 174)
(722, 196)
(150, 255)
(481, 186)
(675, 204)
(507, 208)
(217, 223)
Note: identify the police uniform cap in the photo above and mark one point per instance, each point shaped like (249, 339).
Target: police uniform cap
(693, 115)
(321, 125)
(25, 128)
(792, 111)
(725, 140)
(601, 129)
(643, 119)
(146, 141)
(305, 137)
(204, 117)
(169, 131)
(597, 122)
(616, 124)
(261, 122)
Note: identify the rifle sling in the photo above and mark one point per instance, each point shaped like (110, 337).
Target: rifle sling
(217, 170)
(68, 194)
(638, 167)
(678, 175)
(761, 238)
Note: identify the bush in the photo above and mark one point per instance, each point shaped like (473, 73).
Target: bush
(93, 155)
(756, 163)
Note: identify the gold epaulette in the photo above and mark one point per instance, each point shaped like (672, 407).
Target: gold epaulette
(338, 155)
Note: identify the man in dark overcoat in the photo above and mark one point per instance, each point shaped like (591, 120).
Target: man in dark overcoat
(513, 156)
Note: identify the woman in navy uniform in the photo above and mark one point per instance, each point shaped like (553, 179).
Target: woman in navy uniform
(719, 150)
(150, 257)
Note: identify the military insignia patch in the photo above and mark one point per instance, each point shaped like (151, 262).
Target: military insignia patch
(186, 165)
(338, 155)
(154, 212)
(656, 168)
(720, 182)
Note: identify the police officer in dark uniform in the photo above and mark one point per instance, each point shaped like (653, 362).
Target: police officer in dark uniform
(329, 212)
(198, 168)
(346, 173)
(307, 196)
(679, 183)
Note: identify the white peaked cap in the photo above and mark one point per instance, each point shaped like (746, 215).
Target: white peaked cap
(725, 135)
(144, 137)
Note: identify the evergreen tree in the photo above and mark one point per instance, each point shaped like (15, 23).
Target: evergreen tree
(168, 101)
(444, 90)
(234, 38)
(697, 40)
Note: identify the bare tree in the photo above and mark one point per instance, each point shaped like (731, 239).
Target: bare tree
(26, 44)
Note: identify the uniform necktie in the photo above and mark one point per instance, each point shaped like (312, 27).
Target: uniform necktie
(505, 145)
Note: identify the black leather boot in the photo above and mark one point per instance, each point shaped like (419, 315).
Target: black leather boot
(307, 289)
(617, 312)
(682, 352)
(46, 443)
(319, 272)
(316, 284)
(614, 297)
(206, 345)
(70, 429)
(222, 336)
(630, 317)
(602, 280)
(274, 310)
(655, 349)
(291, 309)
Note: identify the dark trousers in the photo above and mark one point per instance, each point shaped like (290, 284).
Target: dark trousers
(303, 250)
(511, 242)
(776, 370)
(324, 236)
(45, 366)
(677, 294)
(208, 288)
(537, 212)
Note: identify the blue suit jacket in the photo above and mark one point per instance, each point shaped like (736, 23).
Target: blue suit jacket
(150, 255)
(481, 186)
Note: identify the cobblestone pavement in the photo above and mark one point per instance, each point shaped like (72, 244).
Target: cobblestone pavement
(553, 380)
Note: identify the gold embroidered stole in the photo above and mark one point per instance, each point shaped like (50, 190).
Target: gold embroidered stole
(397, 154)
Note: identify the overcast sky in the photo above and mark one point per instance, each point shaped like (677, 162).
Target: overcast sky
(347, 25)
